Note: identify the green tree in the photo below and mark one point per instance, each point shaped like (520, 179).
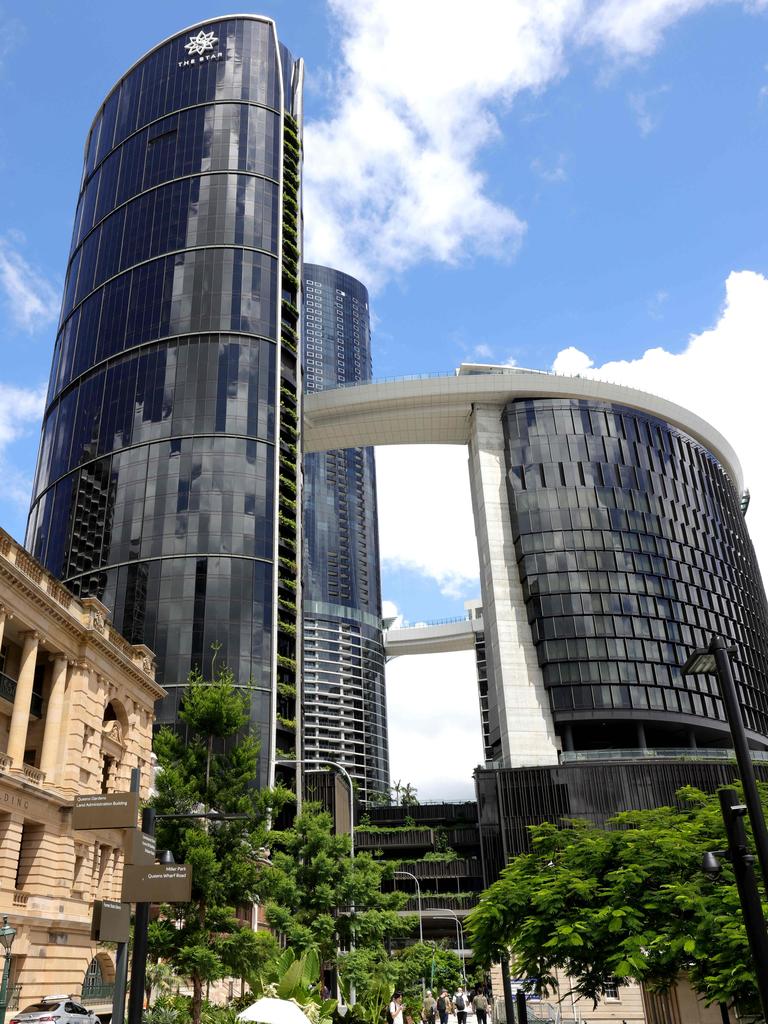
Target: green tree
(296, 978)
(202, 772)
(372, 969)
(318, 897)
(627, 901)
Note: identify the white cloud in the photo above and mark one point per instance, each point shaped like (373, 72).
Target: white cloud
(31, 300)
(642, 106)
(720, 375)
(20, 413)
(553, 175)
(435, 737)
(425, 515)
(392, 175)
(634, 28)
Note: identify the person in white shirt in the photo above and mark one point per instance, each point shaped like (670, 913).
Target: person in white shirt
(395, 1009)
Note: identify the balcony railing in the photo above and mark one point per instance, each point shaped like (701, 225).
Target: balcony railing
(469, 868)
(418, 837)
(668, 753)
(8, 692)
(97, 992)
(434, 903)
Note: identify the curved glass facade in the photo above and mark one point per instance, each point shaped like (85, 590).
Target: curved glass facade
(172, 407)
(632, 549)
(345, 715)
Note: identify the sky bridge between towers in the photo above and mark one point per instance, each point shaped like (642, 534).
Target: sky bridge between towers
(432, 637)
(437, 409)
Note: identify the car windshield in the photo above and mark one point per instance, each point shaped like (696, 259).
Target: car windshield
(40, 1007)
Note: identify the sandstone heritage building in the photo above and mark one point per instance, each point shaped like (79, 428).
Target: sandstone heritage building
(76, 713)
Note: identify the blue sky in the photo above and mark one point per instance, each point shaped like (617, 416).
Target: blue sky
(576, 184)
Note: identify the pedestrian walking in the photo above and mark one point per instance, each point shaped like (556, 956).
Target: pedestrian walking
(395, 1009)
(443, 1006)
(460, 1005)
(429, 1008)
(480, 1006)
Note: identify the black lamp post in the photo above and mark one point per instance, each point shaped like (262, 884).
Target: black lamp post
(716, 659)
(749, 895)
(7, 935)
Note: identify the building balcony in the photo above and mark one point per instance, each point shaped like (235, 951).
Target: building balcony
(414, 838)
(469, 868)
(8, 692)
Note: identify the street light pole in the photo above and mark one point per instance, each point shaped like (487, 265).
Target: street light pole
(409, 874)
(445, 911)
(717, 659)
(7, 935)
(749, 894)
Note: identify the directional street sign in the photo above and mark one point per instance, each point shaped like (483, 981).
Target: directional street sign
(111, 921)
(157, 883)
(139, 848)
(105, 810)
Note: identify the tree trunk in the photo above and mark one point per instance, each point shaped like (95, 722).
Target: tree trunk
(197, 998)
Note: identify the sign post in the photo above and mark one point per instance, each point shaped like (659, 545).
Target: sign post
(121, 956)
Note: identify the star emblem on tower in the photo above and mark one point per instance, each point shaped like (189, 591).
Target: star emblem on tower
(201, 43)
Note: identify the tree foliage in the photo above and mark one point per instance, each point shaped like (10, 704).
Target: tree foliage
(627, 901)
(201, 772)
(373, 970)
(297, 978)
(317, 896)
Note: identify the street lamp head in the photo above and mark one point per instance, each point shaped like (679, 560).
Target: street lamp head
(7, 935)
(700, 661)
(710, 865)
(165, 857)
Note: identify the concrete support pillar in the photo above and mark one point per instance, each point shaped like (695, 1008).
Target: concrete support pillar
(49, 756)
(17, 736)
(641, 741)
(518, 703)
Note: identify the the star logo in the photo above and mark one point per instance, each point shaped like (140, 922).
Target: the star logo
(200, 43)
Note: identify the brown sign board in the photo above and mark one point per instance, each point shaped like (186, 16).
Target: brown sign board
(105, 810)
(111, 921)
(157, 883)
(138, 847)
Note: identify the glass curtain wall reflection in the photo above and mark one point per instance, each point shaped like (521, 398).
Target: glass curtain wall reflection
(632, 549)
(344, 699)
(168, 452)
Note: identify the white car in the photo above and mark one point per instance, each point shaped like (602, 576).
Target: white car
(59, 1009)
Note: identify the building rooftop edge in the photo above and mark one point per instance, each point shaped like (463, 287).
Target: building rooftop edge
(488, 384)
(182, 31)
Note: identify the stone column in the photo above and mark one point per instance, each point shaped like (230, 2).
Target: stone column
(49, 756)
(2, 624)
(17, 737)
(518, 702)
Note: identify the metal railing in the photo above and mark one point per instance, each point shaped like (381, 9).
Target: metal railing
(97, 992)
(432, 622)
(13, 997)
(666, 753)
(446, 902)
(410, 837)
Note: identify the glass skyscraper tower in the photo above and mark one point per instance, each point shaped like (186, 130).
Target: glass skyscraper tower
(167, 483)
(344, 700)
